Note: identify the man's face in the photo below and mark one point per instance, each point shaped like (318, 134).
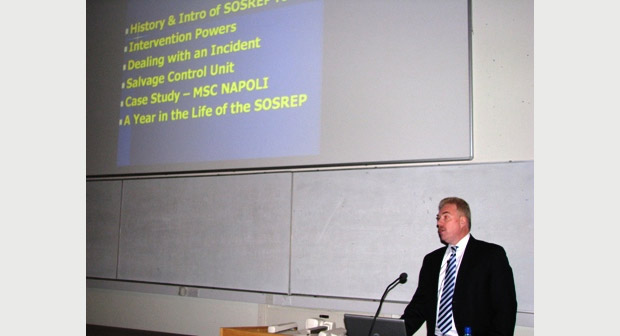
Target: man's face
(451, 224)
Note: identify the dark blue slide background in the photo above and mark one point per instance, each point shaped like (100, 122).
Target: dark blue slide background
(290, 55)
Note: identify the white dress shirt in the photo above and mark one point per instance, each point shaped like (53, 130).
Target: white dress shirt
(461, 245)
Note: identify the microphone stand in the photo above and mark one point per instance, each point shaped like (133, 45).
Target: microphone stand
(401, 279)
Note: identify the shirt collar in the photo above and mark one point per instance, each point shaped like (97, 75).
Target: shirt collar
(463, 242)
(461, 246)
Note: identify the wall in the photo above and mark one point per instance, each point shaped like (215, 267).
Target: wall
(503, 131)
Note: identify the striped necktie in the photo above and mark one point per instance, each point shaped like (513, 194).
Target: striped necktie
(444, 319)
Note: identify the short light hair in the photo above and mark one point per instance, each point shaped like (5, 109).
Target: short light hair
(461, 206)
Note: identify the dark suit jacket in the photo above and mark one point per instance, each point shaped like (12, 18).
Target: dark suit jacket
(484, 295)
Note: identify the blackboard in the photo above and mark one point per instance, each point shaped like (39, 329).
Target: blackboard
(341, 233)
(356, 231)
(222, 232)
(103, 210)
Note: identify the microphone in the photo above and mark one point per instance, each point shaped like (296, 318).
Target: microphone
(401, 279)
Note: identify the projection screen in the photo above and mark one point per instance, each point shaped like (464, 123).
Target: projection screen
(199, 86)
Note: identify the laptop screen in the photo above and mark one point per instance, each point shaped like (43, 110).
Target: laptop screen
(359, 325)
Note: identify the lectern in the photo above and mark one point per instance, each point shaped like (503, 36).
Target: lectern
(244, 331)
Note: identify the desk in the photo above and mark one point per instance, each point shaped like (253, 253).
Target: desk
(244, 331)
(98, 330)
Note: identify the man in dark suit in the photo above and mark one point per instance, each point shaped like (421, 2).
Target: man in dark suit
(483, 295)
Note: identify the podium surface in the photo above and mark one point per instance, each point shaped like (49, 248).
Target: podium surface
(244, 331)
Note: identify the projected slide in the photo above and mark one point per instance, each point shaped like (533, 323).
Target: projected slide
(198, 86)
(228, 80)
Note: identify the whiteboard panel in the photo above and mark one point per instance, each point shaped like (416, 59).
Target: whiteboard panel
(223, 231)
(355, 231)
(103, 210)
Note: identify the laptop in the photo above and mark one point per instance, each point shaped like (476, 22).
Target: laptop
(359, 325)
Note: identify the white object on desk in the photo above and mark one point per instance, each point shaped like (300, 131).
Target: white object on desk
(281, 327)
(334, 332)
(317, 322)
